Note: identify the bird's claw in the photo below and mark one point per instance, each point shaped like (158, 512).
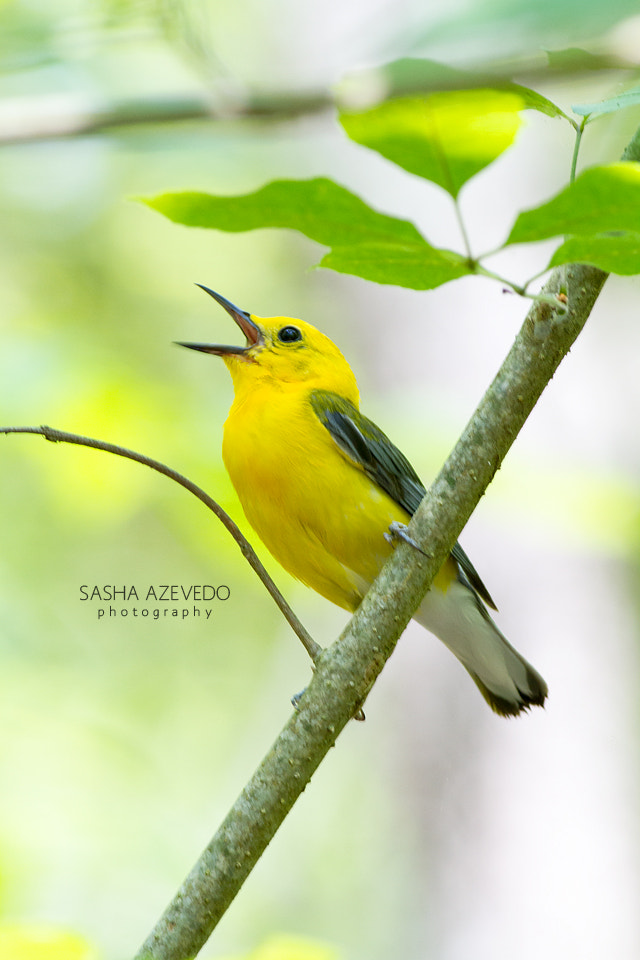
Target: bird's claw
(398, 531)
(296, 698)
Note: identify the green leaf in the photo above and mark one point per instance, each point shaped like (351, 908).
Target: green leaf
(418, 267)
(365, 243)
(630, 98)
(411, 75)
(600, 216)
(445, 137)
(533, 100)
(574, 59)
(600, 200)
(614, 253)
(319, 208)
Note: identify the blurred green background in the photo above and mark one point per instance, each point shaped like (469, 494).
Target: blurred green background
(435, 829)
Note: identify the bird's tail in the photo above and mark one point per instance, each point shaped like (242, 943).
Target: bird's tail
(459, 618)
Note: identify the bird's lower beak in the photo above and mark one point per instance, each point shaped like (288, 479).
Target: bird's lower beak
(250, 329)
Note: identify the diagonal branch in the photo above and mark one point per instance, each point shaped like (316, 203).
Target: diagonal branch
(347, 670)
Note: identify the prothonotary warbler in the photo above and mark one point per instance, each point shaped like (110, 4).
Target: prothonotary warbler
(321, 484)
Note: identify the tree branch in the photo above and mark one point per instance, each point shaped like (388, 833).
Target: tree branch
(347, 670)
(67, 115)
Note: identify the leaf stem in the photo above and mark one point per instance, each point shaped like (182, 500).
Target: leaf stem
(521, 291)
(576, 147)
(514, 287)
(463, 230)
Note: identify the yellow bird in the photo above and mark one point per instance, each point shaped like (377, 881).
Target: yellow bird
(321, 485)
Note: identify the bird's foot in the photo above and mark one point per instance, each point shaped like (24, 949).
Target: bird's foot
(296, 698)
(398, 531)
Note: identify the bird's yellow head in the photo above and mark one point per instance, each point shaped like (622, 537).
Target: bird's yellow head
(281, 350)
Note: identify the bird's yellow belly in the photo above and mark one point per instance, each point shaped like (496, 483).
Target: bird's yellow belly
(317, 513)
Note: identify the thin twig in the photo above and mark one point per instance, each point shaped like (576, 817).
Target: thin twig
(61, 436)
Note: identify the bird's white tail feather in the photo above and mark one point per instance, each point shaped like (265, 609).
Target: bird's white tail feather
(459, 618)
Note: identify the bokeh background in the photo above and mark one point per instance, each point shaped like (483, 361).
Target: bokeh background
(435, 829)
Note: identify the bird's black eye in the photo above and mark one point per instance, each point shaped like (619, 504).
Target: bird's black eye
(289, 334)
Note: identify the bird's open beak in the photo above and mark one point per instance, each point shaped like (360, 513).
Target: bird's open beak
(241, 317)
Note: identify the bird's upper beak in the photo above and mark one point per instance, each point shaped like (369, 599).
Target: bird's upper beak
(250, 329)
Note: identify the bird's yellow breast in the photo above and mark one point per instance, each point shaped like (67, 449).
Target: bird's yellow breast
(319, 515)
